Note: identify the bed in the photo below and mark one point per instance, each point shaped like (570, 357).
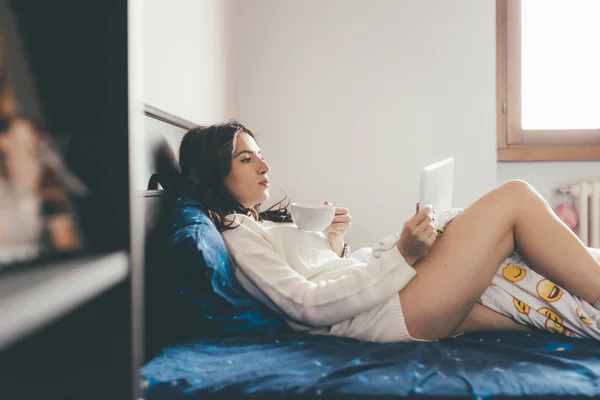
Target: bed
(180, 365)
(294, 366)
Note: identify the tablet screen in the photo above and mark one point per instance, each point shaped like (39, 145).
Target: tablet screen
(436, 185)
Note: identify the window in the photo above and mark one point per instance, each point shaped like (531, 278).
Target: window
(548, 80)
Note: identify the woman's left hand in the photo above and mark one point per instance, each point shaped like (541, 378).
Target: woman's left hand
(338, 228)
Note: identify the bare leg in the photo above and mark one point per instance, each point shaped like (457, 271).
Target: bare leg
(463, 261)
(484, 319)
(554, 251)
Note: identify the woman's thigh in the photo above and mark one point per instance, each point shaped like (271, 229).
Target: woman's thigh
(481, 318)
(460, 265)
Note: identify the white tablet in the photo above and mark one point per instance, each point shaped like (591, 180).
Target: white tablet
(436, 185)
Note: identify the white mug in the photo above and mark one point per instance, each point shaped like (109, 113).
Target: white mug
(312, 217)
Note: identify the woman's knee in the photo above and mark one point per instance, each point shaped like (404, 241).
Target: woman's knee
(522, 193)
(517, 193)
(519, 189)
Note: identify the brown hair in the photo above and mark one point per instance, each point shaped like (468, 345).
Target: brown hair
(205, 156)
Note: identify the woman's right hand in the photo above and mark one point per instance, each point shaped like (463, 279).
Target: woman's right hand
(417, 236)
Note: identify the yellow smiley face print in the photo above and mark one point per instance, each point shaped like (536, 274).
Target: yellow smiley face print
(554, 322)
(582, 317)
(513, 273)
(548, 291)
(521, 307)
(554, 327)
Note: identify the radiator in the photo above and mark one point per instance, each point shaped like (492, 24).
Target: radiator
(587, 205)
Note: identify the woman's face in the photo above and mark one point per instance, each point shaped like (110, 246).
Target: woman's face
(247, 181)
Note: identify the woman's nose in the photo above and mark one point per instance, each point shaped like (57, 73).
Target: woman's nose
(265, 167)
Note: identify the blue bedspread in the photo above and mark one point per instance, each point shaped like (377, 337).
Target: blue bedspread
(475, 366)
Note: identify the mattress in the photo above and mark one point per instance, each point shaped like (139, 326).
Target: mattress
(297, 366)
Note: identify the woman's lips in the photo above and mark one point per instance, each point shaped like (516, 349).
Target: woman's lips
(265, 183)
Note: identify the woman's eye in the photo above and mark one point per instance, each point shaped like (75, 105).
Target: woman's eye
(246, 160)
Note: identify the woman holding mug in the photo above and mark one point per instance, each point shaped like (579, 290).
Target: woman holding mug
(425, 286)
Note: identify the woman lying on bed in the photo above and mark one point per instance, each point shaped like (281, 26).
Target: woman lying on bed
(419, 287)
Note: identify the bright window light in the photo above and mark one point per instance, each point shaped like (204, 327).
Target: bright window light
(560, 64)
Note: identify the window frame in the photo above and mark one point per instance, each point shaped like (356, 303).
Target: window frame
(514, 143)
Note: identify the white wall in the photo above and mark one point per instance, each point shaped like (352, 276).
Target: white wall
(185, 58)
(546, 177)
(351, 98)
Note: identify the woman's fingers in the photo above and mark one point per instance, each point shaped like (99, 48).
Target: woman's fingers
(422, 215)
(432, 238)
(342, 218)
(338, 210)
(341, 221)
(424, 224)
(418, 234)
(424, 231)
(338, 226)
(341, 211)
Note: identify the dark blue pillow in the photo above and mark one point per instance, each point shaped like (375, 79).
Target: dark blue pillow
(211, 300)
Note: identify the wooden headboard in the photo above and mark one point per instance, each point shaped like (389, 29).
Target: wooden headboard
(162, 134)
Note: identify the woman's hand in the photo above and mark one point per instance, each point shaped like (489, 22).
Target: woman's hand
(338, 228)
(417, 236)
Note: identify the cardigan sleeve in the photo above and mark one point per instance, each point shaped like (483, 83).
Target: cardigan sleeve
(321, 302)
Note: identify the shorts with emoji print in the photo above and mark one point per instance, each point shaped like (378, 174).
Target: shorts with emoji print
(527, 297)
